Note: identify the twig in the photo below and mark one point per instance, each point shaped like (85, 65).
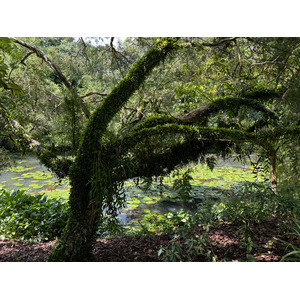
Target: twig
(25, 57)
(93, 93)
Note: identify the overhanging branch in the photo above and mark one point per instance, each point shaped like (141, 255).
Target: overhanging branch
(45, 59)
(225, 104)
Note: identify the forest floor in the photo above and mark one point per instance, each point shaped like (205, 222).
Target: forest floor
(224, 242)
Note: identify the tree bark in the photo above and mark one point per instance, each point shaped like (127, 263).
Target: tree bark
(273, 170)
(79, 235)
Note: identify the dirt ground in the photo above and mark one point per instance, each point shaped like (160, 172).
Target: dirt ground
(224, 242)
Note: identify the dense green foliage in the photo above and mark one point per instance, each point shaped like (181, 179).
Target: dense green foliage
(33, 218)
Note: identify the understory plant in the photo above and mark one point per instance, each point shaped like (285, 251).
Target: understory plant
(245, 206)
(252, 203)
(182, 185)
(294, 249)
(32, 218)
(186, 243)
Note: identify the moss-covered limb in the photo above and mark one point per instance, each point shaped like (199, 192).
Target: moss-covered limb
(59, 166)
(25, 141)
(155, 120)
(262, 95)
(158, 150)
(167, 132)
(101, 117)
(227, 104)
(162, 163)
(83, 170)
(201, 114)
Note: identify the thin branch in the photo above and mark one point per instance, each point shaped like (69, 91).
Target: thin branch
(54, 68)
(265, 62)
(47, 60)
(239, 56)
(84, 46)
(196, 44)
(56, 96)
(220, 42)
(25, 57)
(93, 93)
(226, 103)
(22, 62)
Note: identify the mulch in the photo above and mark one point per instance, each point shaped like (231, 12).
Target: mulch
(224, 242)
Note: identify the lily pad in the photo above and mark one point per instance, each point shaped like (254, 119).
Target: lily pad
(24, 189)
(48, 181)
(134, 205)
(136, 200)
(36, 186)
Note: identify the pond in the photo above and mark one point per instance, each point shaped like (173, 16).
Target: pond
(160, 197)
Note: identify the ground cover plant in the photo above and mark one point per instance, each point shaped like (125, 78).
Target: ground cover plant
(32, 218)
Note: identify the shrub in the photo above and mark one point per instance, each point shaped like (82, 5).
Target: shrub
(27, 217)
(254, 202)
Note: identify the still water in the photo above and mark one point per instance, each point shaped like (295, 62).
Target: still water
(27, 173)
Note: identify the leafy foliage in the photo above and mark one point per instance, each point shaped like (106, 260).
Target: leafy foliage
(183, 186)
(294, 254)
(254, 202)
(27, 217)
(7, 48)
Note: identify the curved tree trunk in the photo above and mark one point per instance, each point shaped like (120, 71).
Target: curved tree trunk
(79, 235)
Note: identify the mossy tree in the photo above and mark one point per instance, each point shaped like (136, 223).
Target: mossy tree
(153, 147)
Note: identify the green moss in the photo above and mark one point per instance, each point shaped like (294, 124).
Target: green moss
(154, 147)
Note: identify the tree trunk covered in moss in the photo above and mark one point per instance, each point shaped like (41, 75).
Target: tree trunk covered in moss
(79, 235)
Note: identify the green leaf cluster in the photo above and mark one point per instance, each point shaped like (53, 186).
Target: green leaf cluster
(33, 218)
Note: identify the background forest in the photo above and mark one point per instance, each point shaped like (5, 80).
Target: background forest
(245, 90)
